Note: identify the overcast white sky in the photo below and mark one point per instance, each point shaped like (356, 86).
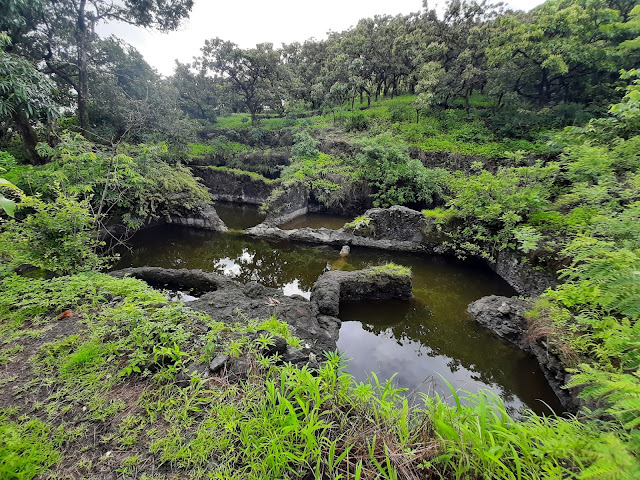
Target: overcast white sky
(248, 22)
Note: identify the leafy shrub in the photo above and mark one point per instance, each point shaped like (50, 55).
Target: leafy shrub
(400, 113)
(332, 180)
(492, 205)
(305, 146)
(398, 179)
(56, 236)
(356, 122)
(134, 181)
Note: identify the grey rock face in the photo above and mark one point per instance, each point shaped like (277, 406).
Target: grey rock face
(236, 187)
(291, 202)
(253, 290)
(503, 315)
(294, 356)
(206, 219)
(369, 284)
(506, 317)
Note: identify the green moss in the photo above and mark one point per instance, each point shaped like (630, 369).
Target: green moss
(390, 269)
(437, 213)
(244, 173)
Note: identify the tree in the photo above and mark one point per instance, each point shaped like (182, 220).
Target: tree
(25, 97)
(62, 33)
(255, 74)
(563, 50)
(199, 95)
(130, 100)
(427, 96)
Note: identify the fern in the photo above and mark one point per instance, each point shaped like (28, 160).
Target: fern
(620, 392)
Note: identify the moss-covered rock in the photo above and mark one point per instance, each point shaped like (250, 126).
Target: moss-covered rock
(383, 282)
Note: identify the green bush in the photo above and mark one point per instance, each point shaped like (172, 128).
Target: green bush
(356, 122)
(57, 236)
(305, 146)
(133, 182)
(397, 178)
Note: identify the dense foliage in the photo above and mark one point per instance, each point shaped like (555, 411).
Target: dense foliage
(515, 132)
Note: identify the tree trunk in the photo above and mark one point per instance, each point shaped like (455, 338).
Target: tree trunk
(82, 41)
(254, 119)
(417, 115)
(542, 89)
(29, 137)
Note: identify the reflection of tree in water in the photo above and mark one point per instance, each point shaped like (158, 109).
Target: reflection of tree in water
(491, 361)
(270, 263)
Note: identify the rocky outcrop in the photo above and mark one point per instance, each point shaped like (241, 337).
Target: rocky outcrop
(183, 279)
(327, 236)
(373, 283)
(403, 229)
(506, 317)
(230, 301)
(287, 203)
(315, 322)
(236, 185)
(206, 219)
(503, 315)
(396, 223)
(396, 228)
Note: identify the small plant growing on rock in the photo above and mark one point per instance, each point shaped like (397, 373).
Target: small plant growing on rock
(360, 226)
(390, 269)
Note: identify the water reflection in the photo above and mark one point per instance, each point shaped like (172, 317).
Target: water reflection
(428, 336)
(239, 216)
(317, 220)
(409, 340)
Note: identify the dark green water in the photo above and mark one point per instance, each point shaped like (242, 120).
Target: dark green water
(317, 220)
(420, 339)
(239, 216)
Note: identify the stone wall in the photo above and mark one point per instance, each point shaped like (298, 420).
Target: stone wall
(206, 219)
(236, 186)
(288, 202)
